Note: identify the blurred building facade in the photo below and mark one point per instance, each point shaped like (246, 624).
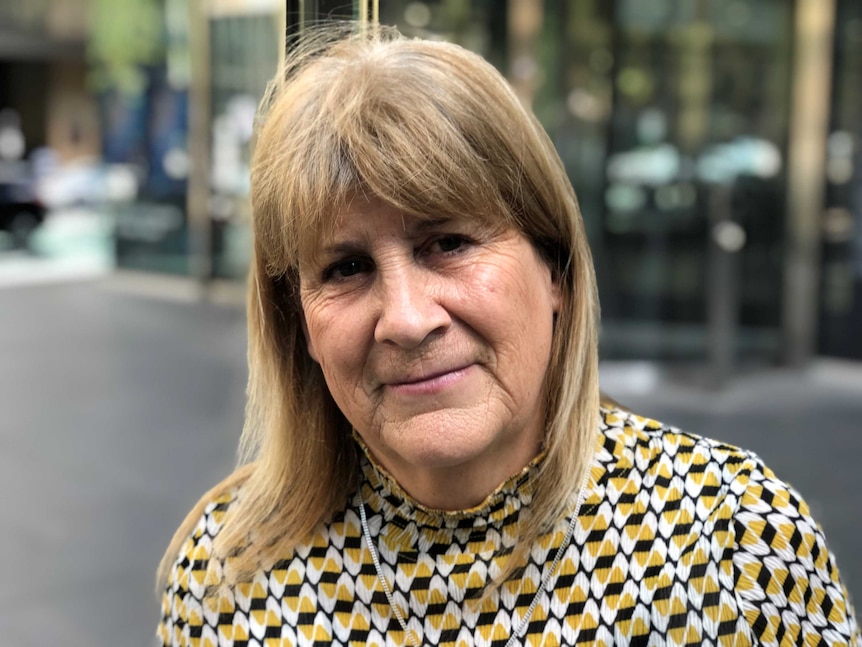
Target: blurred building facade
(186, 126)
(43, 71)
(715, 146)
(716, 149)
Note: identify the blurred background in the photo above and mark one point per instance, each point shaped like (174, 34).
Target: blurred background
(715, 147)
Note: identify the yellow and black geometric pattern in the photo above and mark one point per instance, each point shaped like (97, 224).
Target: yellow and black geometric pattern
(679, 541)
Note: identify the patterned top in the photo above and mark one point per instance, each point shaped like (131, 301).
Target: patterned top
(679, 541)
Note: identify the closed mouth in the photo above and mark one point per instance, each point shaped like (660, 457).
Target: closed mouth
(429, 377)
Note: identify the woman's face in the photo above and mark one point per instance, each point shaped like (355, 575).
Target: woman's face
(434, 339)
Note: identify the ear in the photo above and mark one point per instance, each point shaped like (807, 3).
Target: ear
(556, 291)
(309, 345)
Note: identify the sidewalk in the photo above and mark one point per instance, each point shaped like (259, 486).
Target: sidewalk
(118, 412)
(120, 409)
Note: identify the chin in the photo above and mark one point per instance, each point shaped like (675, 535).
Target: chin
(441, 458)
(442, 446)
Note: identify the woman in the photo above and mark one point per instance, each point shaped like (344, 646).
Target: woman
(426, 458)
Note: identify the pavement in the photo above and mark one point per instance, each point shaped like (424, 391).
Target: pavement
(122, 402)
(119, 409)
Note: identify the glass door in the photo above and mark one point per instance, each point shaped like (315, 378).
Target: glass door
(692, 220)
(841, 285)
(243, 58)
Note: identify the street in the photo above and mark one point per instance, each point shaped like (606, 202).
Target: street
(118, 412)
(120, 408)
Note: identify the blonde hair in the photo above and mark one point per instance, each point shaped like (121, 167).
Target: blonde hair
(431, 129)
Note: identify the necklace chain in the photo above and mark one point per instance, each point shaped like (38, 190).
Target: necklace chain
(546, 578)
(374, 558)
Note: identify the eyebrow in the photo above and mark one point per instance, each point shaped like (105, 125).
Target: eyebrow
(341, 248)
(344, 247)
(424, 226)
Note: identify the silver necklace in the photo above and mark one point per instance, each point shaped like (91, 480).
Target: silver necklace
(546, 578)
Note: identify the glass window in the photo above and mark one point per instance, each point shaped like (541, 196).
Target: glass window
(841, 283)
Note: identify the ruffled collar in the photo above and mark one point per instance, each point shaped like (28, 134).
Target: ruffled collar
(382, 494)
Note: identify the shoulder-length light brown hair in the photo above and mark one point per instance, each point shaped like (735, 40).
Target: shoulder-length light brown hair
(433, 130)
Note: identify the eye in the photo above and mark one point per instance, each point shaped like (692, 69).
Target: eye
(347, 268)
(447, 244)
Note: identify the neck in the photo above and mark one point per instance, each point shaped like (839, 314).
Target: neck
(450, 490)
(457, 487)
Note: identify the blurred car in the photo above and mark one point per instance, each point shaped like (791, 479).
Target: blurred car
(21, 210)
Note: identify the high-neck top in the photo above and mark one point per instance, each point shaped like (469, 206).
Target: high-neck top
(500, 508)
(679, 540)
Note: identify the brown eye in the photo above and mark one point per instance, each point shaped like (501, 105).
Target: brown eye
(449, 243)
(347, 268)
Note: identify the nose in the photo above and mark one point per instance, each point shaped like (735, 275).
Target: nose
(411, 309)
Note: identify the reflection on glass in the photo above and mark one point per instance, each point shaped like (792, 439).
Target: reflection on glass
(700, 103)
(841, 285)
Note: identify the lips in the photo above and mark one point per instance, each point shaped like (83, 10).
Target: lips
(428, 382)
(426, 377)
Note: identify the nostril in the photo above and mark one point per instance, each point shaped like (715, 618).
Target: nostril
(409, 314)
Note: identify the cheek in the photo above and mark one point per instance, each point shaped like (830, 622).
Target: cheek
(323, 320)
(335, 342)
(514, 301)
(527, 305)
